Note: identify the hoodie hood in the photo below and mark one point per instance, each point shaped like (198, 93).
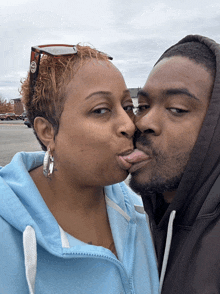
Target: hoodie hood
(203, 168)
(17, 190)
(39, 256)
(187, 235)
(28, 209)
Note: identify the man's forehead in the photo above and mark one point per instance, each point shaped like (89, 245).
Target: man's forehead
(179, 70)
(178, 75)
(177, 63)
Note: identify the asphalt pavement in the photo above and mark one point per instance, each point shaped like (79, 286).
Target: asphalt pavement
(15, 137)
(12, 122)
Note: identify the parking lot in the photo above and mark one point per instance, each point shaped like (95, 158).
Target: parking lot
(15, 137)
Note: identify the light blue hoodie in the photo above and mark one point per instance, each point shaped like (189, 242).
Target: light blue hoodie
(37, 256)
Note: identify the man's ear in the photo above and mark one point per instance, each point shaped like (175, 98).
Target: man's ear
(45, 131)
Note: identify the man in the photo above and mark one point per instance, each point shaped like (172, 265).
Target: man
(178, 138)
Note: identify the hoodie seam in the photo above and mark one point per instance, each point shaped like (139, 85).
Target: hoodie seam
(125, 193)
(187, 228)
(116, 207)
(210, 215)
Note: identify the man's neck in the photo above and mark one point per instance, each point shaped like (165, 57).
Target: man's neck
(169, 196)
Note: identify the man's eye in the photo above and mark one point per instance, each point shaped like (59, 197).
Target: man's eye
(178, 110)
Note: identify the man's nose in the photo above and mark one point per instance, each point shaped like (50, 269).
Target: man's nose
(150, 122)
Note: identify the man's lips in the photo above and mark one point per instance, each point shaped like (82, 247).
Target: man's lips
(136, 156)
(139, 165)
(131, 157)
(135, 160)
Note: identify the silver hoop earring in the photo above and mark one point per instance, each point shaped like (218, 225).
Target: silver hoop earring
(48, 164)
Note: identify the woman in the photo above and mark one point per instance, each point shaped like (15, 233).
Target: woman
(82, 233)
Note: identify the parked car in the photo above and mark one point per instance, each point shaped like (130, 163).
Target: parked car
(10, 116)
(27, 122)
(2, 116)
(23, 115)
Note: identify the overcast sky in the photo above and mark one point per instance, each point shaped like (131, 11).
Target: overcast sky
(134, 32)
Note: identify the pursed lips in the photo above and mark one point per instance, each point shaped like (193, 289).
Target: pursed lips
(122, 162)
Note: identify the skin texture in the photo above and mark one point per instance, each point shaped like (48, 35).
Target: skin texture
(172, 107)
(95, 127)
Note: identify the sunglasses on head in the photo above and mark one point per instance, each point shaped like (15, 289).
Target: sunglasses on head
(56, 50)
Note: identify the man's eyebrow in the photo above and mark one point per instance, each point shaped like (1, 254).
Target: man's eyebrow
(142, 93)
(179, 91)
(106, 93)
(170, 92)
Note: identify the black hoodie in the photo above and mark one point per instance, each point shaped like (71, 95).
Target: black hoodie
(193, 257)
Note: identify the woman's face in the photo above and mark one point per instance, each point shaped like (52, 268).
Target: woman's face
(95, 127)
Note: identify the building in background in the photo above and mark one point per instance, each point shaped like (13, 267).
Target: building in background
(133, 92)
(18, 106)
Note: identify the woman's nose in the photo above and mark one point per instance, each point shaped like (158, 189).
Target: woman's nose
(126, 126)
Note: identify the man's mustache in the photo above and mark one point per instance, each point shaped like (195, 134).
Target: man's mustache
(144, 140)
(141, 138)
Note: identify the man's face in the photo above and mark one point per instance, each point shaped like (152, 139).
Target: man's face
(172, 107)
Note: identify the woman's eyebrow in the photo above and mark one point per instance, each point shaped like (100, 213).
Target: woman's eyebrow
(106, 93)
(126, 92)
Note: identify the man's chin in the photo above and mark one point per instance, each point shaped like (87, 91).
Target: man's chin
(138, 185)
(155, 185)
(138, 181)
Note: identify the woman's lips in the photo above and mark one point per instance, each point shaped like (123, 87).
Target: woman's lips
(123, 163)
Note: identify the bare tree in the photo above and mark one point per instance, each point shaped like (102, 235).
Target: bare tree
(5, 106)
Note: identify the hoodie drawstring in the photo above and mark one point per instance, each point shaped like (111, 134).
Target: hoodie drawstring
(30, 257)
(167, 247)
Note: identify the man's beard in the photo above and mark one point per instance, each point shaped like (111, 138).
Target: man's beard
(157, 185)
(166, 174)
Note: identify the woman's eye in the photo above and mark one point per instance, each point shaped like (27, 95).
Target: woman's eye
(141, 109)
(101, 110)
(128, 108)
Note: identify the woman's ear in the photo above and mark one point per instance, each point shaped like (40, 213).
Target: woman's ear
(45, 131)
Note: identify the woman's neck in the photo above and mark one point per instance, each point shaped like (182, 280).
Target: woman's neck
(69, 196)
(80, 211)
